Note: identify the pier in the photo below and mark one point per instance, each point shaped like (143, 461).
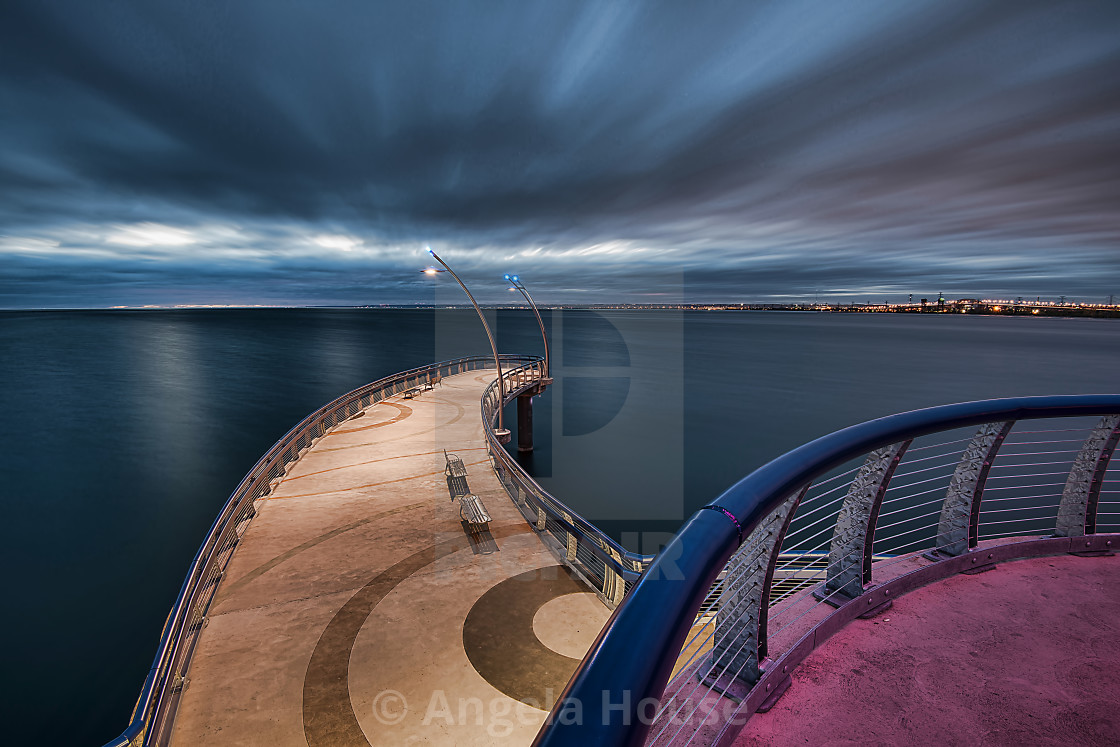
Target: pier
(358, 609)
(387, 574)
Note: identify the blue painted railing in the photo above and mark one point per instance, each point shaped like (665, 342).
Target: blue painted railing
(616, 692)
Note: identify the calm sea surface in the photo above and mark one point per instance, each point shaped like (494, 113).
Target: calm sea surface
(124, 432)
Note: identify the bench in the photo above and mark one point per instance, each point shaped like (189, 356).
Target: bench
(473, 513)
(430, 384)
(454, 466)
(412, 393)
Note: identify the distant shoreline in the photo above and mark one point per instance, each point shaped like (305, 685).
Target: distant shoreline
(972, 308)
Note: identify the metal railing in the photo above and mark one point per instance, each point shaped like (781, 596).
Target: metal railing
(159, 697)
(828, 532)
(602, 563)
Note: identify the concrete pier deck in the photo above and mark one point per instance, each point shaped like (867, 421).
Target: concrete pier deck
(356, 609)
(1027, 654)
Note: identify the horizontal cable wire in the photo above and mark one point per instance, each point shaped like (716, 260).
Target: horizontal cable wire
(1015, 533)
(908, 461)
(1023, 477)
(1026, 487)
(1010, 521)
(987, 500)
(1022, 498)
(1018, 508)
(1011, 442)
(836, 477)
(904, 521)
(791, 535)
(938, 478)
(1009, 454)
(920, 493)
(885, 514)
(937, 445)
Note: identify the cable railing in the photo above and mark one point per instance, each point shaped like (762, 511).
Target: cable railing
(829, 532)
(154, 712)
(603, 564)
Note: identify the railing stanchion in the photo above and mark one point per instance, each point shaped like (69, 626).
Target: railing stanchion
(958, 526)
(1077, 514)
(634, 656)
(849, 559)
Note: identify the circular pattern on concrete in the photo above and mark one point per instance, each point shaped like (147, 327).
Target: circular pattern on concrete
(555, 623)
(403, 411)
(328, 715)
(500, 642)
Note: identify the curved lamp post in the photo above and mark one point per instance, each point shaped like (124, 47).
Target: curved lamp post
(517, 285)
(501, 433)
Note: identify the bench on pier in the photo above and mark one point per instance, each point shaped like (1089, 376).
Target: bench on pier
(455, 466)
(473, 513)
(456, 473)
(430, 384)
(412, 393)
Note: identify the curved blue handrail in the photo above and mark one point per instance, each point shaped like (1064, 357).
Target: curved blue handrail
(617, 685)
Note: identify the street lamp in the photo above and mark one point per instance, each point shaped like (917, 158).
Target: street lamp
(517, 285)
(500, 433)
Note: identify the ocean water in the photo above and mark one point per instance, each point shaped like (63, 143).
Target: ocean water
(125, 431)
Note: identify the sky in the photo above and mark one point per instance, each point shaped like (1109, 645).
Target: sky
(160, 152)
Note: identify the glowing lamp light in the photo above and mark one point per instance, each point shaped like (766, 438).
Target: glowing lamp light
(500, 432)
(516, 285)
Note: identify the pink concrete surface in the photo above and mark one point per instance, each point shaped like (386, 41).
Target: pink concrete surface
(1026, 654)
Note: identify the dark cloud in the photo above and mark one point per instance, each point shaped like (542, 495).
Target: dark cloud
(781, 149)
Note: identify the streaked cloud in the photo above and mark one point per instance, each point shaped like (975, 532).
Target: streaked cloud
(306, 153)
(150, 234)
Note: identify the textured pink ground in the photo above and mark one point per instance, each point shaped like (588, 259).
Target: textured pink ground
(1026, 654)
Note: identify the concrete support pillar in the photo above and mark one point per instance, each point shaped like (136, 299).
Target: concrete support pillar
(525, 423)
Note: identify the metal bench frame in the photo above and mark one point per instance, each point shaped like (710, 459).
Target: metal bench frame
(473, 513)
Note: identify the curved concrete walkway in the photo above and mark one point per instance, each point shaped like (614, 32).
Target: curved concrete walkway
(1026, 654)
(356, 610)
